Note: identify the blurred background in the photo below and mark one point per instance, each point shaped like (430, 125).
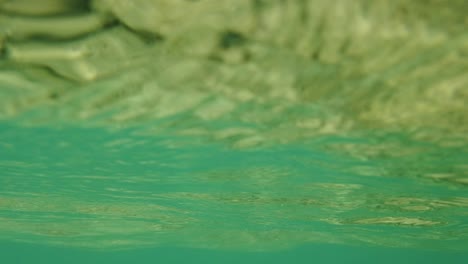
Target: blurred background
(251, 125)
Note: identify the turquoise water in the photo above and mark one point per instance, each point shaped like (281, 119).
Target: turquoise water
(320, 131)
(20, 253)
(85, 193)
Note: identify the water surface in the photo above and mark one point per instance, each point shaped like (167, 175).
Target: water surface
(334, 130)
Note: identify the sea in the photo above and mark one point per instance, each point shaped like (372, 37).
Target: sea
(264, 132)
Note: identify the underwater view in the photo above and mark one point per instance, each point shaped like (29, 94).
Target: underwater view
(246, 131)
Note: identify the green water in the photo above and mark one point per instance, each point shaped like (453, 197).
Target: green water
(102, 190)
(233, 131)
(310, 254)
